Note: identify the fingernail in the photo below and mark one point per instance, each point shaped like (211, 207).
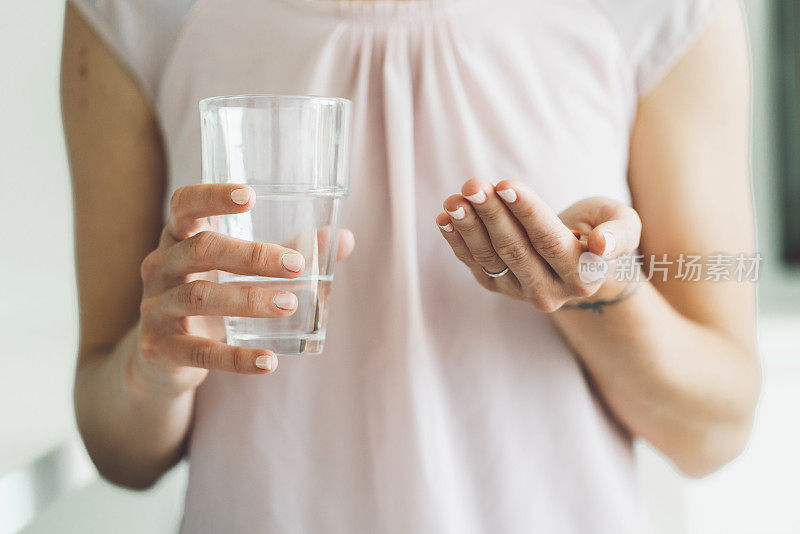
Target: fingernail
(459, 214)
(285, 301)
(611, 243)
(241, 196)
(268, 362)
(447, 227)
(477, 198)
(509, 195)
(292, 261)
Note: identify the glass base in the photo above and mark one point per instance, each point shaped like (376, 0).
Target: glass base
(287, 345)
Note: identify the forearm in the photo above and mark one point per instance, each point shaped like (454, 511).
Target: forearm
(133, 431)
(687, 388)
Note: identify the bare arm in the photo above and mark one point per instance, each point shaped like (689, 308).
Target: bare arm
(150, 311)
(675, 361)
(117, 167)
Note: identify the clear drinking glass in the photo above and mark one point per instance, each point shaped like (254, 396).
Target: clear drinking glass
(294, 152)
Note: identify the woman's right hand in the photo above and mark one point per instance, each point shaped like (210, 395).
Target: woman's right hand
(181, 324)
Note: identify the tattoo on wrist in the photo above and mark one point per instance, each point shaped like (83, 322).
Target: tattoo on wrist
(599, 306)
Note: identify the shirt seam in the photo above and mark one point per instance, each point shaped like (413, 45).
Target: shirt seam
(629, 65)
(198, 7)
(679, 49)
(615, 30)
(117, 51)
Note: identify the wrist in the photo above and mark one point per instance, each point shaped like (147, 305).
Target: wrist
(146, 380)
(612, 291)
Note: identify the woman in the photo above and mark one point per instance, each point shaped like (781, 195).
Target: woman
(438, 406)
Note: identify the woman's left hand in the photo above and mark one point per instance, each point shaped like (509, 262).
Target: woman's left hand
(508, 225)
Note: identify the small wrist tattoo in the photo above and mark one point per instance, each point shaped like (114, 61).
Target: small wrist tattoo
(599, 306)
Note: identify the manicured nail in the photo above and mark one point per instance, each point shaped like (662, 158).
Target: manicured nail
(509, 195)
(447, 227)
(285, 301)
(268, 362)
(292, 261)
(477, 198)
(611, 243)
(241, 196)
(459, 214)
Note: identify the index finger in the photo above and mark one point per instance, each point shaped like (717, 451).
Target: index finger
(191, 204)
(549, 235)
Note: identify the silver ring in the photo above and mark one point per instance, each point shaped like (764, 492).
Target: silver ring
(494, 275)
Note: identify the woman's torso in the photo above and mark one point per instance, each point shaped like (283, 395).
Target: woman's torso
(438, 407)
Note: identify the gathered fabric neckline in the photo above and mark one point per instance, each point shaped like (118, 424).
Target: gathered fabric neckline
(396, 10)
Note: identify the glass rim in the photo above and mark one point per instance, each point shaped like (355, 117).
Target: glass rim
(232, 100)
(334, 189)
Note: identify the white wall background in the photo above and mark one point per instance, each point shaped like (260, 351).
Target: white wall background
(37, 288)
(757, 494)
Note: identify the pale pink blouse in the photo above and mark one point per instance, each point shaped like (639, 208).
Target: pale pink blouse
(438, 407)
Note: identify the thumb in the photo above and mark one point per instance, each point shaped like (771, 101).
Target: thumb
(617, 236)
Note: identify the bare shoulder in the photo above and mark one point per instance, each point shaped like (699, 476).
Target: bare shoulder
(117, 168)
(720, 55)
(94, 83)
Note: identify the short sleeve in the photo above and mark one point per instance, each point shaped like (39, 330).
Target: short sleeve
(657, 33)
(139, 32)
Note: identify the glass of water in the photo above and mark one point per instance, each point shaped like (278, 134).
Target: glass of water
(294, 152)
